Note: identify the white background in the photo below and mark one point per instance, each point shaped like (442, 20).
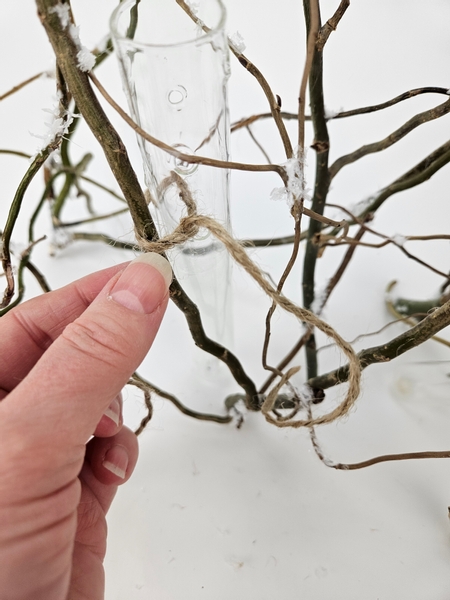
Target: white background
(215, 512)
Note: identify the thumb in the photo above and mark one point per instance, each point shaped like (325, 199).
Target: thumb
(65, 394)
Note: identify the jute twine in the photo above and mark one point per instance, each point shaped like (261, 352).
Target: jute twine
(187, 229)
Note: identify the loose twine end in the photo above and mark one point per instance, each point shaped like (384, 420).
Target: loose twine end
(188, 228)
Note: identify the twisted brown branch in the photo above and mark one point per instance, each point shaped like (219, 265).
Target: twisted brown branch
(393, 138)
(332, 240)
(188, 158)
(389, 458)
(412, 338)
(145, 385)
(21, 85)
(421, 172)
(288, 116)
(331, 24)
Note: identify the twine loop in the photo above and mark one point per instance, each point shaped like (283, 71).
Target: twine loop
(188, 228)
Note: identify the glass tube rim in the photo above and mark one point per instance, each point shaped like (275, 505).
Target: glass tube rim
(117, 12)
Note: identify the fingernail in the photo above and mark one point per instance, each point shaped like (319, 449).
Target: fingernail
(144, 283)
(114, 410)
(116, 461)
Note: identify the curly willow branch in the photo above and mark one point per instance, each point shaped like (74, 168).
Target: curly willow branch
(148, 404)
(188, 228)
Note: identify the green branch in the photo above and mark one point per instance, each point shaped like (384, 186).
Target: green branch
(321, 145)
(14, 214)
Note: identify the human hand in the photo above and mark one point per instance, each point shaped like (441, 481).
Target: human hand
(64, 358)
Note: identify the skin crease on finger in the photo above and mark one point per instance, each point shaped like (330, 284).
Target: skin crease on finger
(54, 496)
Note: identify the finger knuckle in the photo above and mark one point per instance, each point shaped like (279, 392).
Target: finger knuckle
(96, 340)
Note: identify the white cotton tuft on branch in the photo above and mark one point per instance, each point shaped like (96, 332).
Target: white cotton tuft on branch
(63, 12)
(305, 394)
(86, 60)
(402, 307)
(59, 240)
(279, 193)
(358, 208)
(320, 298)
(398, 239)
(237, 42)
(330, 114)
(57, 127)
(193, 6)
(295, 188)
(49, 74)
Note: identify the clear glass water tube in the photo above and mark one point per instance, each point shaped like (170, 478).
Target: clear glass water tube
(175, 75)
